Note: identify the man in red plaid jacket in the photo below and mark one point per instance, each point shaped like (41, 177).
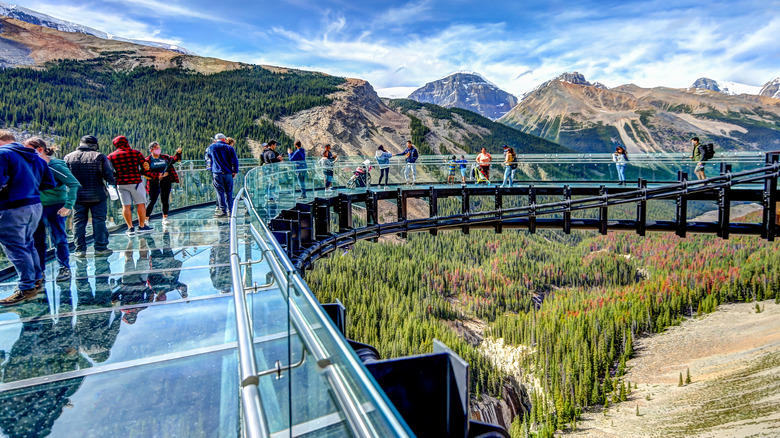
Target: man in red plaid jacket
(129, 164)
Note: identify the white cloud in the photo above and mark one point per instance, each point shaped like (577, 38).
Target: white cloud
(172, 9)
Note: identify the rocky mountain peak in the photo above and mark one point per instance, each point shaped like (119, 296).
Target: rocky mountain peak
(706, 84)
(467, 90)
(771, 88)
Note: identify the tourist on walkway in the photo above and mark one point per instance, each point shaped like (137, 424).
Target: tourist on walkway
(327, 162)
(222, 162)
(452, 169)
(160, 179)
(93, 170)
(129, 164)
(22, 176)
(57, 205)
(411, 155)
(698, 156)
(299, 158)
(383, 162)
(463, 169)
(483, 161)
(620, 157)
(510, 166)
(270, 156)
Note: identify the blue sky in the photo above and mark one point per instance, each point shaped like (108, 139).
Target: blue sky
(399, 46)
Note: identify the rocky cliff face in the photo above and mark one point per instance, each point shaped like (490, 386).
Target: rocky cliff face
(514, 401)
(579, 115)
(356, 123)
(467, 91)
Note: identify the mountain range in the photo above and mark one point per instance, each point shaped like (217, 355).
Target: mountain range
(592, 118)
(569, 110)
(468, 91)
(34, 17)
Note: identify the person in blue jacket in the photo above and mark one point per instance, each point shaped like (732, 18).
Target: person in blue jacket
(23, 174)
(299, 158)
(411, 155)
(222, 162)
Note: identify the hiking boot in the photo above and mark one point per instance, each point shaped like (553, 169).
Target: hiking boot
(104, 252)
(20, 296)
(130, 231)
(81, 254)
(220, 214)
(39, 284)
(145, 229)
(63, 274)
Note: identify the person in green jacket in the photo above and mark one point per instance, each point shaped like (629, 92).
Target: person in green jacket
(697, 155)
(57, 205)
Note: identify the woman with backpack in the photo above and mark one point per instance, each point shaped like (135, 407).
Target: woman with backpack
(160, 178)
(620, 157)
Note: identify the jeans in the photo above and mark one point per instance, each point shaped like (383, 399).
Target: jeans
(223, 184)
(16, 237)
(509, 175)
(384, 173)
(301, 175)
(411, 168)
(81, 212)
(59, 238)
(621, 169)
(161, 189)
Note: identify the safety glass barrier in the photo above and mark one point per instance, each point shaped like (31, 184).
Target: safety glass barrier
(309, 382)
(288, 182)
(194, 188)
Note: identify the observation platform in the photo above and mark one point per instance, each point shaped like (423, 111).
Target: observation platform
(205, 327)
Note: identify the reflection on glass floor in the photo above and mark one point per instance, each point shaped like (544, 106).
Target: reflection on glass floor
(139, 343)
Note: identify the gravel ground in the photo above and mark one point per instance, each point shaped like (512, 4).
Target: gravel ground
(734, 360)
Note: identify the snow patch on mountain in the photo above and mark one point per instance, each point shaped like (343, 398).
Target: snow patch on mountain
(725, 87)
(33, 17)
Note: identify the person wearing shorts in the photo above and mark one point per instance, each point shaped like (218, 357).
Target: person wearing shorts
(462, 162)
(129, 164)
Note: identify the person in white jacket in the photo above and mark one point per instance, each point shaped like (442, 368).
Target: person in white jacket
(383, 161)
(620, 158)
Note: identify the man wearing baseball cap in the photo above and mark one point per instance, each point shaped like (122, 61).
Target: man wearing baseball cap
(222, 162)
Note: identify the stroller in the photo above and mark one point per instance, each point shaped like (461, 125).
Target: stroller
(479, 175)
(361, 176)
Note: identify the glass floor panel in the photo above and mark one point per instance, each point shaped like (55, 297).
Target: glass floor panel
(193, 396)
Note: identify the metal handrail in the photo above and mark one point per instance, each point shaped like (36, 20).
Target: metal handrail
(286, 276)
(256, 425)
(287, 279)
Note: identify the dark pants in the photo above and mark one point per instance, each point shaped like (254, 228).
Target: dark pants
(384, 173)
(161, 189)
(301, 175)
(16, 236)
(81, 212)
(223, 183)
(59, 238)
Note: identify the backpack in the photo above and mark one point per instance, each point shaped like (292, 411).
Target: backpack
(707, 151)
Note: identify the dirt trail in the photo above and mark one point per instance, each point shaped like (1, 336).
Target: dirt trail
(734, 360)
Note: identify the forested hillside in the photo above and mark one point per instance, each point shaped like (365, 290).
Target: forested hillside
(69, 99)
(578, 302)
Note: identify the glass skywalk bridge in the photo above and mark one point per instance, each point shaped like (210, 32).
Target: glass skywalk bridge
(154, 341)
